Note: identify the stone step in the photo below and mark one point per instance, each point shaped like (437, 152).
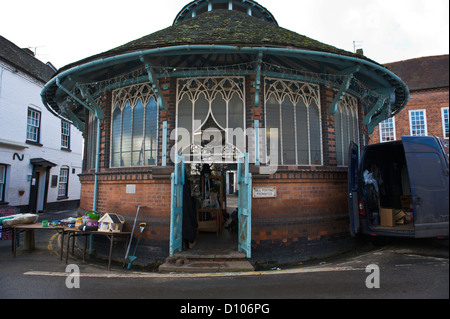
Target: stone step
(206, 262)
(187, 266)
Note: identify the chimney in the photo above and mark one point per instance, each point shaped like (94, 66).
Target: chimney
(27, 50)
(360, 51)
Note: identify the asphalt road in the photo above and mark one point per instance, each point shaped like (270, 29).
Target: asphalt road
(403, 269)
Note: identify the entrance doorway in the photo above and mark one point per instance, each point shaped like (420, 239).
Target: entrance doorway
(39, 184)
(222, 224)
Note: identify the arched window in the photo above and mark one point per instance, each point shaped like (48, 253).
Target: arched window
(134, 126)
(205, 103)
(346, 127)
(293, 108)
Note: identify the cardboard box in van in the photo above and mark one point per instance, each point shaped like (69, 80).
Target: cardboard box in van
(387, 217)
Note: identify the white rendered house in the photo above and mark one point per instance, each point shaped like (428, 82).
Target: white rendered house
(40, 154)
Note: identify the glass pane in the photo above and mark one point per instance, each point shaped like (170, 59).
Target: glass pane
(185, 114)
(138, 134)
(219, 111)
(126, 136)
(115, 143)
(151, 132)
(314, 133)
(236, 112)
(338, 137)
(345, 135)
(272, 121)
(288, 135)
(201, 110)
(302, 133)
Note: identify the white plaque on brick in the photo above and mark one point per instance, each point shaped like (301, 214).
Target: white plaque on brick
(131, 189)
(265, 192)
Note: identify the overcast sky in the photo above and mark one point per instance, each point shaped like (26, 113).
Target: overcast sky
(63, 32)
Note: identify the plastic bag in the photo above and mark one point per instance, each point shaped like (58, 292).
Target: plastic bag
(368, 179)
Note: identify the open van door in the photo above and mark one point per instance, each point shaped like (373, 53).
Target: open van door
(353, 168)
(428, 176)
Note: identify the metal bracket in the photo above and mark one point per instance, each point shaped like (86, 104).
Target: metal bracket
(258, 78)
(155, 83)
(343, 88)
(98, 110)
(368, 121)
(75, 120)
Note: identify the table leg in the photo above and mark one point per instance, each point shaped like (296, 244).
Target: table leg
(125, 255)
(85, 246)
(67, 248)
(110, 250)
(14, 241)
(62, 245)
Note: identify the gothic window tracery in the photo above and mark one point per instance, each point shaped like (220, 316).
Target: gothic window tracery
(293, 108)
(134, 126)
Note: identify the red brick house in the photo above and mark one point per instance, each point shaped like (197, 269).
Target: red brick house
(226, 65)
(427, 110)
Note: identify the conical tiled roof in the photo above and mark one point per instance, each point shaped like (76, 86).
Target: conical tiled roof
(222, 27)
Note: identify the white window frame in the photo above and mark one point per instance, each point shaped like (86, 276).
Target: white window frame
(3, 169)
(65, 135)
(63, 184)
(382, 127)
(33, 125)
(411, 124)
(444, 114)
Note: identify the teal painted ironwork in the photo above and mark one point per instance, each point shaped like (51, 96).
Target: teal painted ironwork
(176, 206)
(256, 127)
(389, 79)
(343, 89)
(245, 205)
(164, 144)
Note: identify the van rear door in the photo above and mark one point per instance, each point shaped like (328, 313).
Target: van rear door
(353, 168)
(428, 175)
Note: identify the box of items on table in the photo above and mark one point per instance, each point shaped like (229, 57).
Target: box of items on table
(93, 221)
(18, 219)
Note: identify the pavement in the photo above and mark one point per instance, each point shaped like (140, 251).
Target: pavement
(47, 245)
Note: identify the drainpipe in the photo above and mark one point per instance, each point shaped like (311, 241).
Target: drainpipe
(97, 160)
(97, 164)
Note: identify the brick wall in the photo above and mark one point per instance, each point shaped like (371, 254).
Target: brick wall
(309, 206)
(153, 195)
(430, 100)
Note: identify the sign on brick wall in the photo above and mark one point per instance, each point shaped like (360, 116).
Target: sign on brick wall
(265, 192)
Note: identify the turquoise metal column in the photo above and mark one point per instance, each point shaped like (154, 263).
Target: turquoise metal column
(164, 146)
(256, 126)
(176, 206)
(245, 205)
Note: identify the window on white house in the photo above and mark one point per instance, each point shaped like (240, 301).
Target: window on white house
(293, 108)
(444, 112)
(418, 123)
(33, 125)
(2, 182)
(387, 130)
(65, 134)
(63, 182)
